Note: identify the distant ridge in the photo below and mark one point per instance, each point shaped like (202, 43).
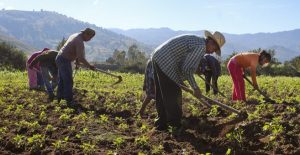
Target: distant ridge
(41, 29)
(286, 43)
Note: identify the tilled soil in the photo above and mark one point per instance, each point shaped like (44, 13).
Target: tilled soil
(102, 117)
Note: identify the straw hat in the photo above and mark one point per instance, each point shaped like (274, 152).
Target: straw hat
(218, 38)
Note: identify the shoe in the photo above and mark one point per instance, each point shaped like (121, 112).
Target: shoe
(161, 128)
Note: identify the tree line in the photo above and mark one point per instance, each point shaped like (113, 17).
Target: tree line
(134, 60)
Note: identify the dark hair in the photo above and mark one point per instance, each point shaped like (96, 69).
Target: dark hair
(264, 54)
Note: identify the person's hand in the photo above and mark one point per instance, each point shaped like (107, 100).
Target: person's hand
(197, 93)
(92, 67)
(76, 66)
(186, 88)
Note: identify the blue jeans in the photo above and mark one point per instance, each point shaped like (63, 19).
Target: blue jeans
(65, 80)
(50, 84)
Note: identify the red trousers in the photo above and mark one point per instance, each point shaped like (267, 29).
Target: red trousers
(236, 73)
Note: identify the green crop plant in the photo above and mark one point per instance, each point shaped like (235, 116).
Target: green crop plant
(61, 144)
(19, 141)
(123, 126)
(119, 119)
(3, 131)
(142, 141)
(88, 148)
(236, 136)
(36, 142)
(103, 119)
(83, 132)
(275, 128)
(157, 150)
(50, 128)
(144, 128)
(291, 110)
(68, 111)
(64, 118)
(213, 111)
(43, 116)
(81, 117)
(118, 142)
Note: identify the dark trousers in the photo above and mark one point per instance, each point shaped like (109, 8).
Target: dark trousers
(49, 83)
(208, 78)
(168, 100)
(65, 79)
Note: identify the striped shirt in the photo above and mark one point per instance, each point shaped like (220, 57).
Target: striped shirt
(179, 57)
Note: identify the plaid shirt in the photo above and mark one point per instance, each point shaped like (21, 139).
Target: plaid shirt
(179, 57)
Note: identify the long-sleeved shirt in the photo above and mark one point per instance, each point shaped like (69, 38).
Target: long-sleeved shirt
(179, 58)
(212, 64)
(73, 48)
(149, 77)
(248, 61)
(45, 59)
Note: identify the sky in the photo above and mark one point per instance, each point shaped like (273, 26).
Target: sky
(229, 16)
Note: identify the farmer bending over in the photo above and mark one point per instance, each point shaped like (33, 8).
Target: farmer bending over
(175, 61)
(47, 63)
(34, 73)
(211, 68)
(238, 64)
(73, 49)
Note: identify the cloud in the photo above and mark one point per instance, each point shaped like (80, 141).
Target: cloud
(96, 2)
(9, 8)
(3, 6)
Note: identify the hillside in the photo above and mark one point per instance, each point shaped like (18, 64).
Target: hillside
(41, 29)
(286, 44)
(16, 43)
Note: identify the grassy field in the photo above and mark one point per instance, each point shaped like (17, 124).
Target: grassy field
(108, 125)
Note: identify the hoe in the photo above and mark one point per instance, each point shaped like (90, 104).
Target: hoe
(208, 102)
(266, 97)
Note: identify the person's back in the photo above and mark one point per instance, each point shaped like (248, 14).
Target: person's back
(46, 58)
(73, 48)
(246, 60)
(241, 62)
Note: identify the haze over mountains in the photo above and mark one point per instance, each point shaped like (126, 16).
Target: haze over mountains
(286, 44)
(34, 30)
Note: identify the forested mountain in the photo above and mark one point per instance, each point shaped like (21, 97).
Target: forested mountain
(286, 44)
(41, 29)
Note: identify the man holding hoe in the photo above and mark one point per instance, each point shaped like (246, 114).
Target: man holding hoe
(73, 49)
(175, 61)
